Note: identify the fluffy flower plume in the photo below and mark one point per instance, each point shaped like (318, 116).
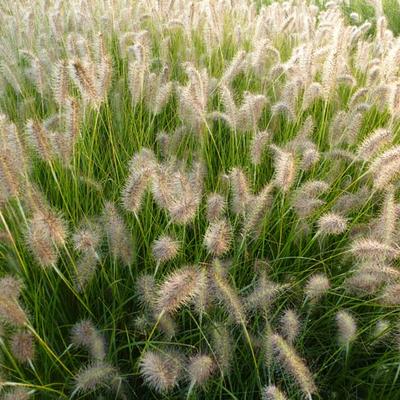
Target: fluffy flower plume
(218, 237)
(180, 288)
(332, 224)
(271, 392)
(293, 364)
(316, 287)
(161, 370)
(118, 235)
(347, 328)
(200, 368)
(86, 335)
(22, 346)
(285, 169)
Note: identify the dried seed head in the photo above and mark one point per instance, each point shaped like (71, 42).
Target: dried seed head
(86, 335)
(226, 294)
(39, 139)
(240, 191)
(370, 249)
(134, 190)
(383, 272)
(22, 346)
(11, 311)
(200, 369)
(258, 145)
(386, 224)
(46, 232)
(316, 287)
(305, 201)
(85, 270)
(161, 371)
(349, 202)
(10, 287)
(60, 82)
(271, 392)
(285, 169)
(81, 74)
(385, 168)
(165, 248)
(222, 345)
(72, 120)
(347, 327)
(293, 364)
(284, 108)
(119, 237)
(311, 93)
(264, 293)
(374, 143)
(146, 290)
(178, 289)
(391, 295)
(87, 238)
(17, 394)
(310, 157)
(290, 325)
(258, 208)
(166, 324)
(98, 374)
(217, 238)
(381, 330)
(215, 207)
(331, 224)
(363, 283)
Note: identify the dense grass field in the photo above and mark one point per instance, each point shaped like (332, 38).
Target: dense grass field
(199, 199)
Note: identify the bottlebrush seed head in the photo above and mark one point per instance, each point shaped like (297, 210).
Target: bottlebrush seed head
(271, 392)
(161, 370)
(217, 238)
(85, 270)
(165, 248)
(241, 195)
(10, 287)
(134, 190)
(22, 346)
(391, 295)
(257, 210)
(347, 327)
(258, 145)
(226, 294)
(98, 374)
(119, 237)
(363, 283)
(11, 311)
(17, 394)
(178, 289)
(85, 334)
(285, 169)
(381, 330)
(293, 364)
(316, 287)
(200, 368)
(215, 206)
(87, 238)
(146, 290)
(377, 140)
(290, 325)
(223, 347)
(332, 224)
(371, 249)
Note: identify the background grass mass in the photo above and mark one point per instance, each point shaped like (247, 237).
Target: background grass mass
(199, 199)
